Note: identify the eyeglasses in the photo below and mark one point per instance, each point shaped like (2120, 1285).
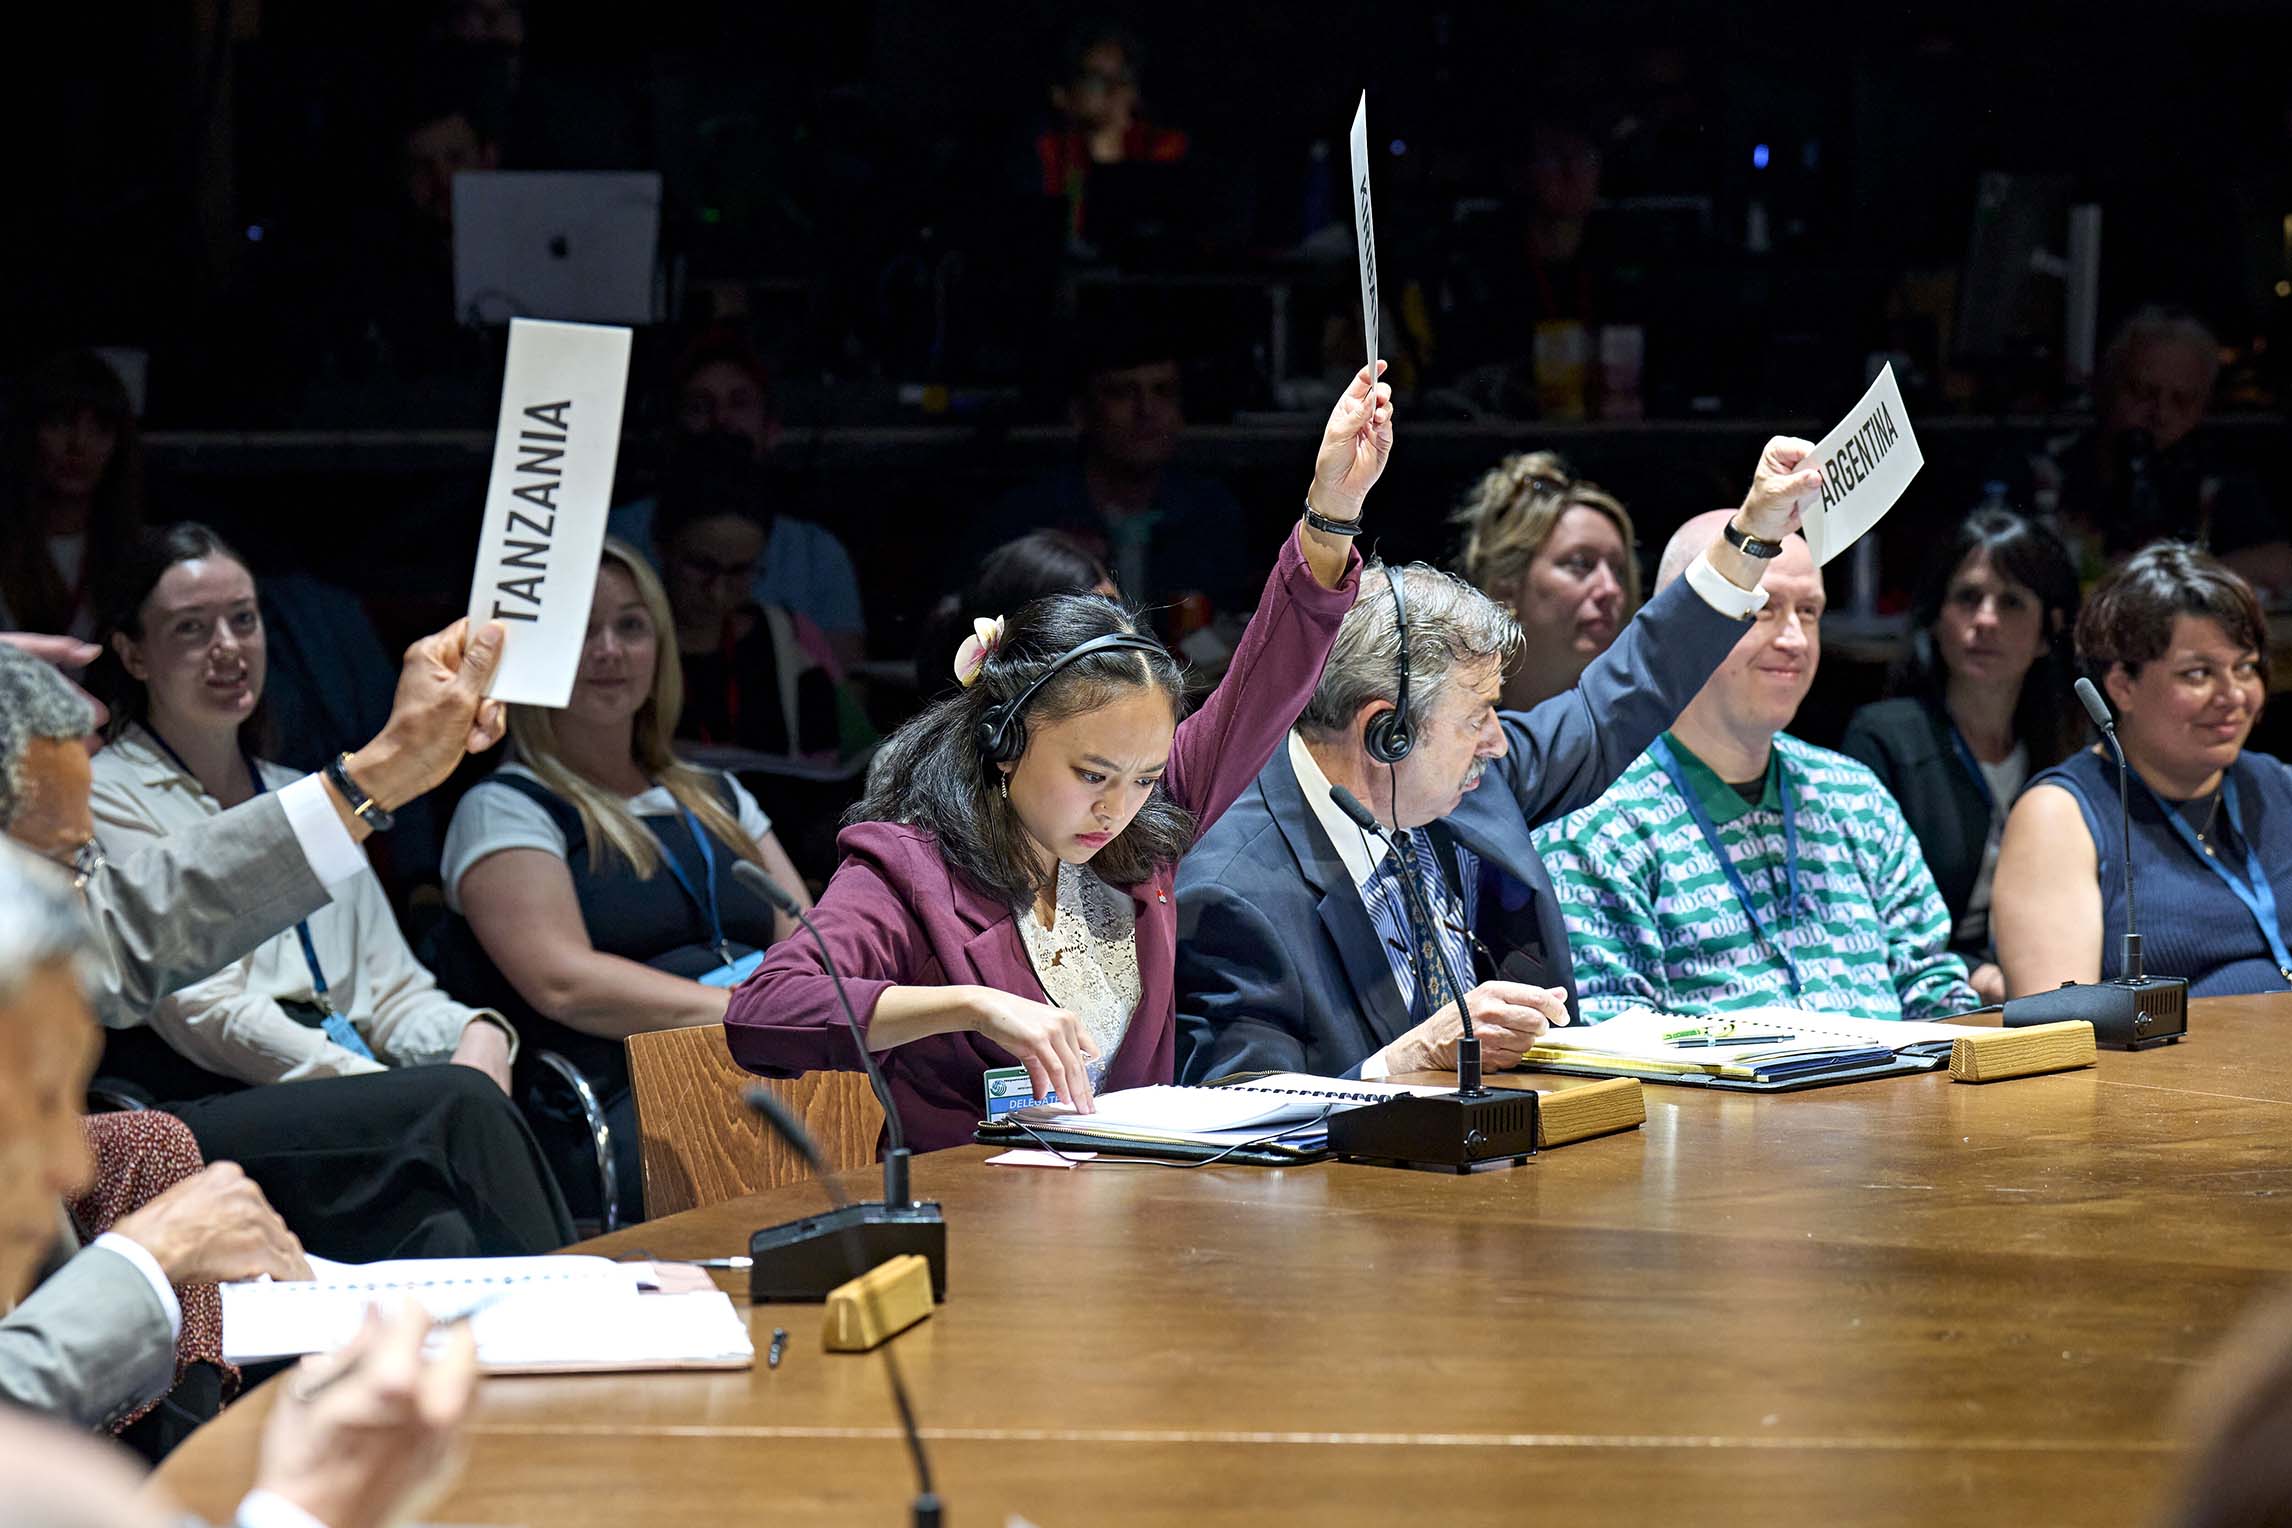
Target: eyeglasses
(87, 858)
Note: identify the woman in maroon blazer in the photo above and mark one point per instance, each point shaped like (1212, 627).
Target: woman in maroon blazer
(1005, 894)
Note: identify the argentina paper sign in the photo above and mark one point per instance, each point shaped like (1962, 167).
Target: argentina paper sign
(545, 505)
(1866, 463)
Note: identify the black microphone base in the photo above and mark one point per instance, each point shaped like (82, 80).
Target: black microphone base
(1443, 1133)
(805, 1259)
(2124, 1015)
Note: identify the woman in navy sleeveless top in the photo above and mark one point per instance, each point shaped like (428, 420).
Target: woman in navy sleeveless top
(590, 878)
(2179, 645)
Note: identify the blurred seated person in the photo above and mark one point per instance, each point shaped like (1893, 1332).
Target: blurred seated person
(355, 1459)
(1988, 704)
(71, 492)
(2147, 471)
(2177, 644)
(1733, 866)
(1097, 119)
(757, 677)
(1519, 295)
(1558, 553)
(1024, 569)
(342, 994)
(590, 876)
(417, 1163)
(1166, 534)
(720, 387)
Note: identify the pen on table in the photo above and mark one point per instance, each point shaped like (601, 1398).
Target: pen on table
(319, 1386)
(1731, 1040)
(719, 1262)
(779, 1346)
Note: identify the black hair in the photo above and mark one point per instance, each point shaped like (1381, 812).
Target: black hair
(2022, 551)
(932, 774)
(708, 476)
(1020, 570)
(2129, 619)
(64, 384)
(119, 602)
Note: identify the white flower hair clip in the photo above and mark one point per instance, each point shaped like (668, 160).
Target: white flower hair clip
(986, 639)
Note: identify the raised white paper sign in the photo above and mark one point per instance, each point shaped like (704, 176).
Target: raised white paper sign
(545, 506)
(1866, 463)
(1365, 227)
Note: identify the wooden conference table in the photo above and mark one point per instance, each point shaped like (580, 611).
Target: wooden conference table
(1903, 1301)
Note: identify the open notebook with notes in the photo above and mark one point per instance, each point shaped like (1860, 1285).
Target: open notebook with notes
(1747, 1047)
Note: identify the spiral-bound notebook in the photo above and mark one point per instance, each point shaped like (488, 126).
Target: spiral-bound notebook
(1242, 1112)
(531, 1315)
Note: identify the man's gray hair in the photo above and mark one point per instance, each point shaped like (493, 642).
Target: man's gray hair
(1451, 625)
(35, 702)
(2156, 325)
(40, 919)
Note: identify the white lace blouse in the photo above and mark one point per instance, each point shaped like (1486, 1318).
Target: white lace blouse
(1087, 960)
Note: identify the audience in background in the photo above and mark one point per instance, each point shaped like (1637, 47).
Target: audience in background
(1167, 535)
(720, 387)
(340, 996)
(2178, 645)
(71, 492)
(1733, 866)
(759, 678)
(1033, 565)
(1559, 554)
(2146, 470)
(590, 878)
(1098, 119)
(1990, 704)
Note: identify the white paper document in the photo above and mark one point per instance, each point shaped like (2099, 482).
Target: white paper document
(1866, 463)
(531, 1314)
(1364, 226)
(554, 452)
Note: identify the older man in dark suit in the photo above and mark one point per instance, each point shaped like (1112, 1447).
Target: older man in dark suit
(1300, 944)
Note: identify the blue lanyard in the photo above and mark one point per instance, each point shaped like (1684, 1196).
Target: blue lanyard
(338, 1028)
(1661, 748)
(2258, 897)
(708, 904)
(1974, 768)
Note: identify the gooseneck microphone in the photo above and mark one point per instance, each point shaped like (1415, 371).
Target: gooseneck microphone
(1468, 1045)
(1460, 1132)
(789, 1262)
(785, 1125)
(2129, 969)
(2136, 1010)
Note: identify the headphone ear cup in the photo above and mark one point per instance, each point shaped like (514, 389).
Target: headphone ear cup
(1387, 740)
(994, 742)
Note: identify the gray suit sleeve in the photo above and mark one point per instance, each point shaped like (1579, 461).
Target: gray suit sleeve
(185, 907)
(88, 1346)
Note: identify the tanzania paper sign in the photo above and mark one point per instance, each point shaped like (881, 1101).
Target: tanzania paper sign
(1866, 463)
(1364, 226)
(553, 457)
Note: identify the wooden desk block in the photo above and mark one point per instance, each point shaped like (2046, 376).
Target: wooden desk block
(1992, 1055)
(1597, 1108)
(879, 1304)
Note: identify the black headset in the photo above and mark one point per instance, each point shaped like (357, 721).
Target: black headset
(1003, 732)
(1388, 736)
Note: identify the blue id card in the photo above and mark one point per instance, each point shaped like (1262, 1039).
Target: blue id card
(736, 973)
(1009, 1089)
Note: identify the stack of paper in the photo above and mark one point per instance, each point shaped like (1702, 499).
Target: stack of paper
(1289, 1108)
(1767, 1044)
(532, 1314)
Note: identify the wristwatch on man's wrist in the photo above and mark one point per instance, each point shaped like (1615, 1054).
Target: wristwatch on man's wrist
(362, 805)
(1749, 545)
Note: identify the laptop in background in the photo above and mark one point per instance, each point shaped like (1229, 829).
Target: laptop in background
(575, 245)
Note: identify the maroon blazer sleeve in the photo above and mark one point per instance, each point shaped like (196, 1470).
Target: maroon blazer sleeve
(785, 1019)
(1221, 747)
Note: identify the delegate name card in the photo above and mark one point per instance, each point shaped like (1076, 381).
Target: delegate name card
(1365, 227)
(1866, 463)
(545, 505)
